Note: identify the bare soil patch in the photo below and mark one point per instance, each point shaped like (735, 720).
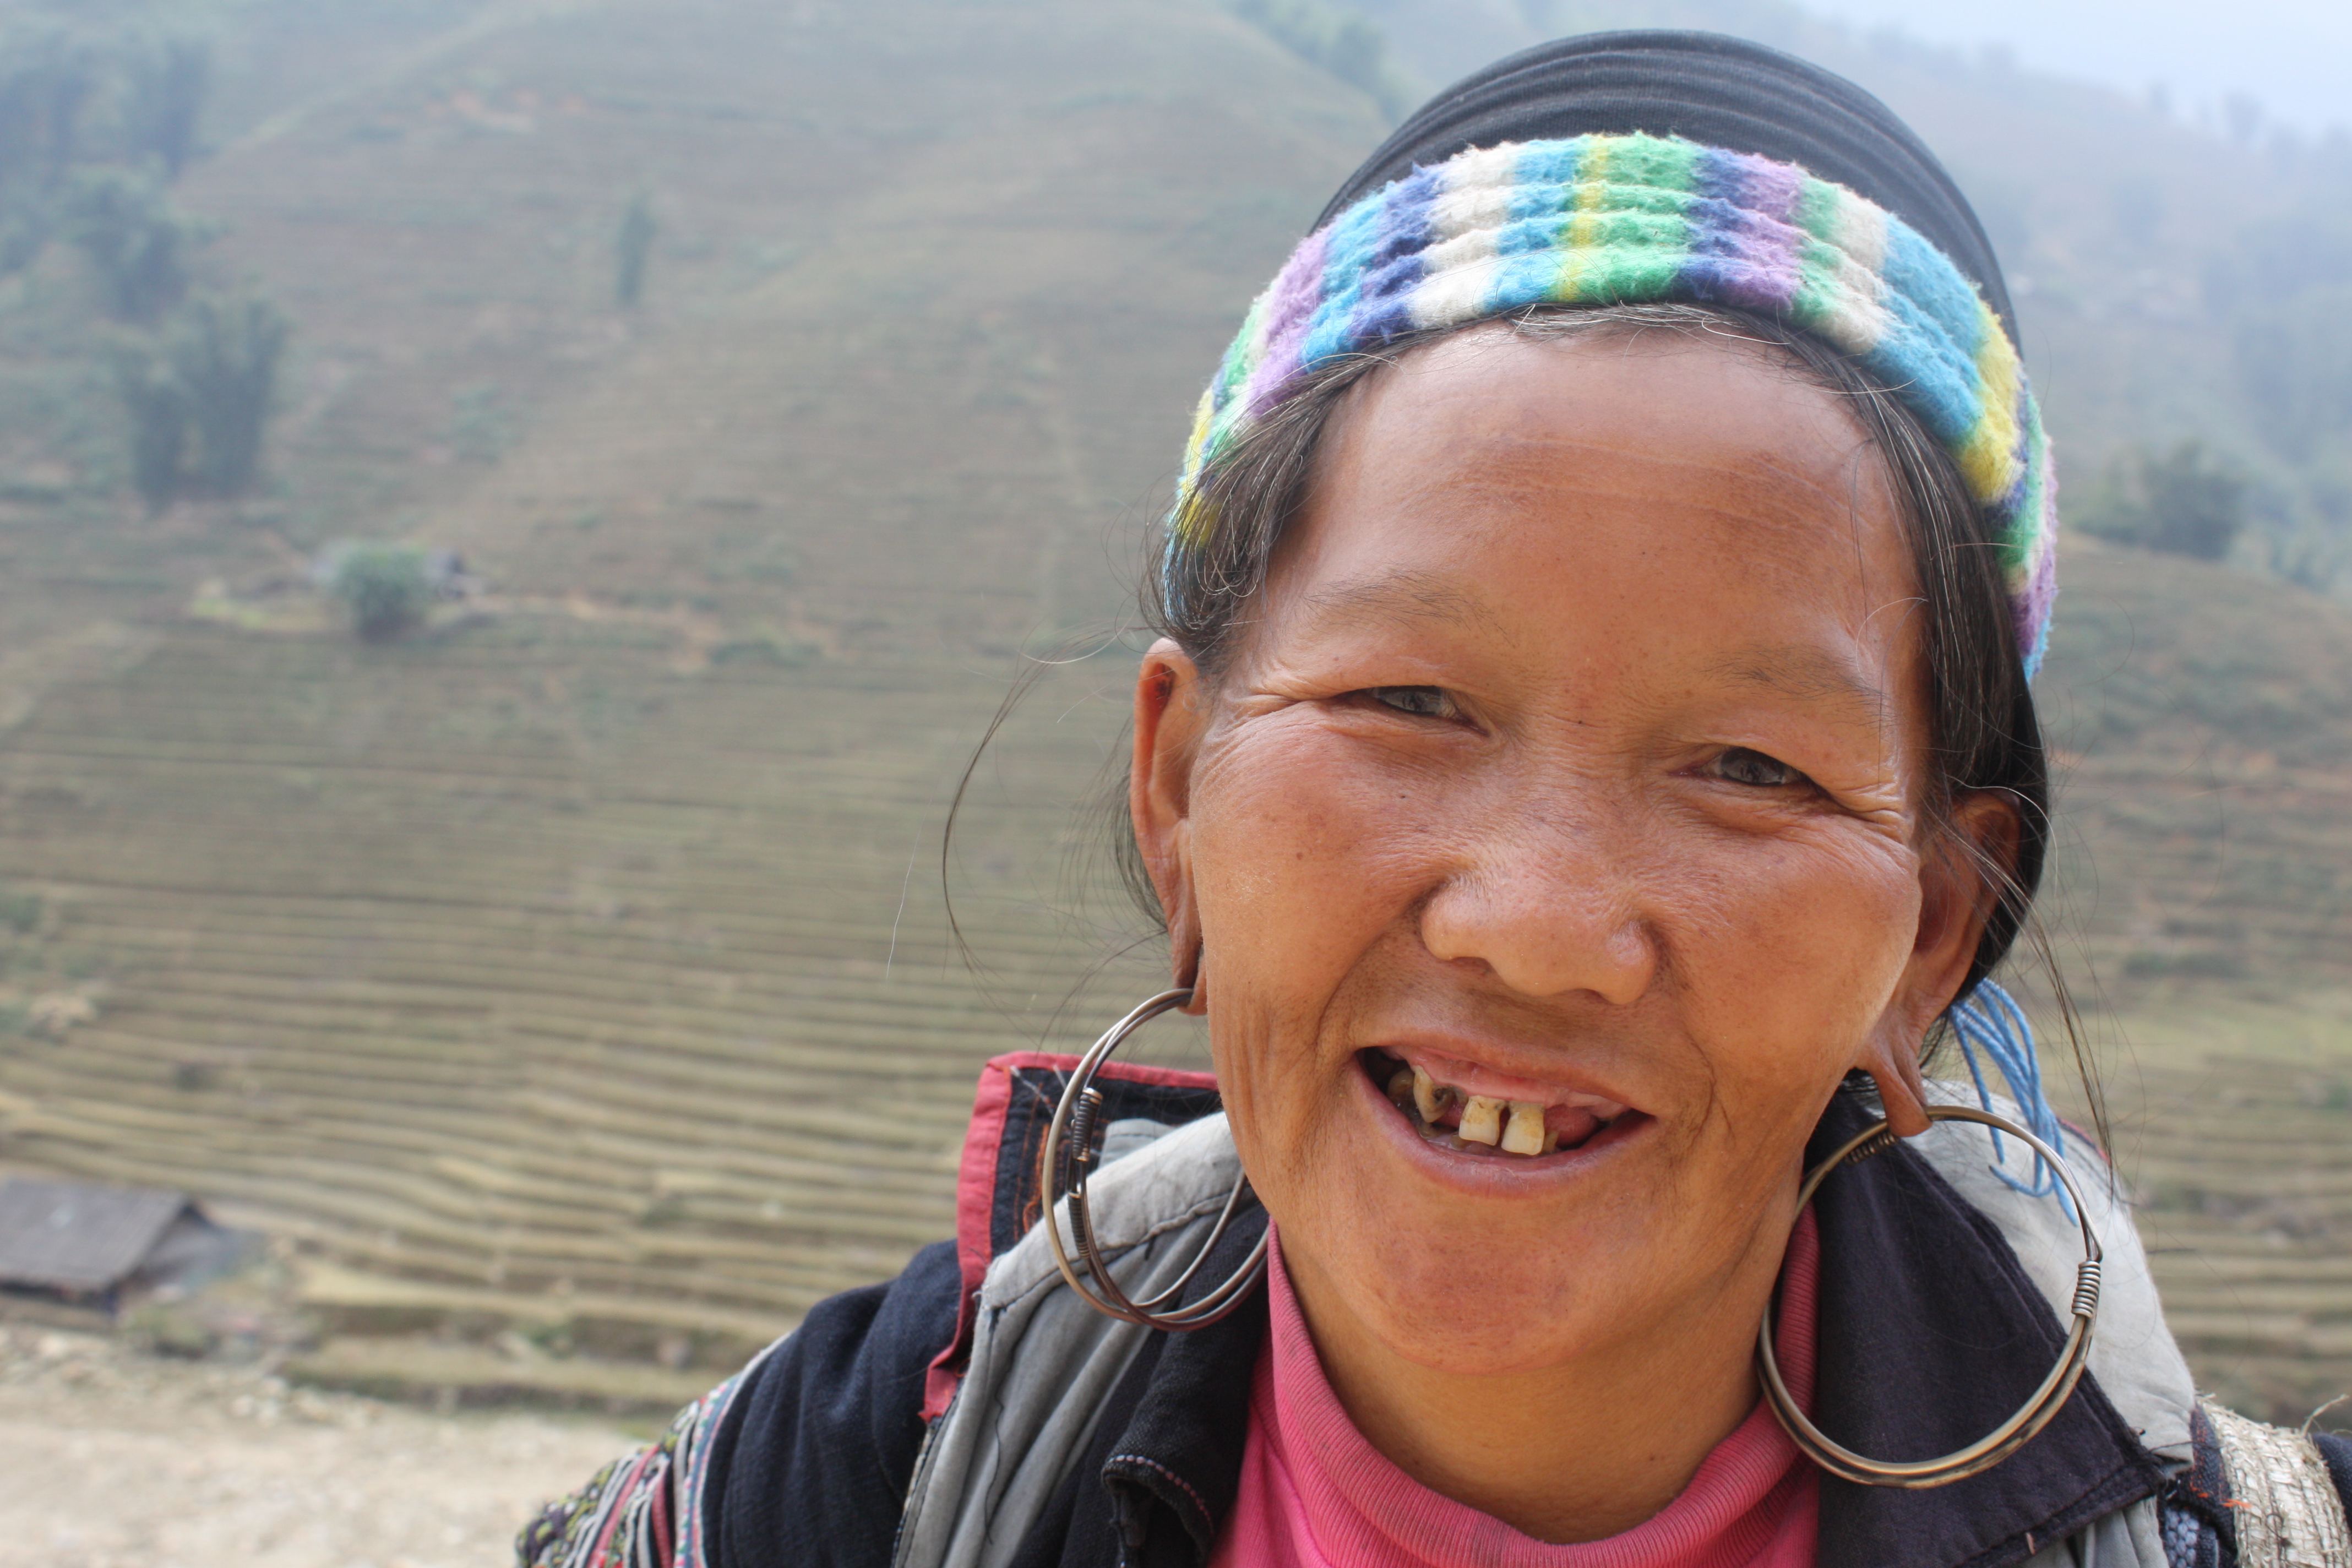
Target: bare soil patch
(116, 1459)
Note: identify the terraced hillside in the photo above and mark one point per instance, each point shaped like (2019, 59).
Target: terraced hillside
(471, 984)
(579, 966)
(2237, 1133)
(583, 961)
(2203, 725)
(2204, 910)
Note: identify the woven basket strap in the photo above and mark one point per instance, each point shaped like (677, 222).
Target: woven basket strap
(2284, 1504)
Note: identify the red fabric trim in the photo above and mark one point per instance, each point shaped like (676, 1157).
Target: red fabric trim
(983, 1147)
(665, 1543)
(617, 1500)
(2084, 1134)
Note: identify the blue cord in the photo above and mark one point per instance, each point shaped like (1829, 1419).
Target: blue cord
(1991, 1020)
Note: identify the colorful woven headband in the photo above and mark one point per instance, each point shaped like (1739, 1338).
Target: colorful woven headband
(1599, 219)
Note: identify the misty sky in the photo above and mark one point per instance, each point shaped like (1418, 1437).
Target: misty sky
(2295, 55)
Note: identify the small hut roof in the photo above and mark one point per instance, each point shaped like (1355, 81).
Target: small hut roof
(78, 1236)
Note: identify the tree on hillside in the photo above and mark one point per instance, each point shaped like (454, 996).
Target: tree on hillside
(2283, 295)
(197, 396)
(2312, 546)
(2182, 503)
(46, 79)
(166, 82)
(2295, 354)
(156, 405)
(136, 239)
(633, 250)
(83, 100)
(226, 351)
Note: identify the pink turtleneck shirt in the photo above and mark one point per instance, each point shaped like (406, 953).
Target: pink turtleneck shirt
(1315, 1494)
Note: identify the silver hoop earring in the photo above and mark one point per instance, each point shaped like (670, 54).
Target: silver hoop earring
(1074, 1124)
(2011, 1434)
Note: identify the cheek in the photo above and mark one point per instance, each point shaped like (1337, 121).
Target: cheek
(1300, 866)
(1790, 951)
(1299, 861)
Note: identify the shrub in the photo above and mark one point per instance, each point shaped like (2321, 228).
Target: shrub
(764, 648)
(386, 587)
(20, 912)
(2183, 503)
(481, 426)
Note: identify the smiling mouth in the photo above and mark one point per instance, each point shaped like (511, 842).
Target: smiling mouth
(1457, 1118)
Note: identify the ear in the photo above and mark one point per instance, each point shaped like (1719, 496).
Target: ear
(1959, 886)
(1171, 715)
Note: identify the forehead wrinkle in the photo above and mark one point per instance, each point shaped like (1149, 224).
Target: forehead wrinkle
(1770, 490)
(1808, 675)
(1400, 598)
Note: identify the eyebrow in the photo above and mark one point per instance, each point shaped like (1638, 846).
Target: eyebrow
(1402, 598)
(1808, 674)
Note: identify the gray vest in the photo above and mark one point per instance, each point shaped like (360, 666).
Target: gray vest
(1043, 1362)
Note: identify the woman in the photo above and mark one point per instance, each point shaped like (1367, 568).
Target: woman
(1587, 763)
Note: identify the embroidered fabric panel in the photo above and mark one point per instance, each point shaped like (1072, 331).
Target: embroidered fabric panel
(2189, 1541)
(642, 1510)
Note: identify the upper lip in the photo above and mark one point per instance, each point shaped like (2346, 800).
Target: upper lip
(1540, 1074)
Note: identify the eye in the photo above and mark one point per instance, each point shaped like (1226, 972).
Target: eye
(1740, 765)
(1421, 701)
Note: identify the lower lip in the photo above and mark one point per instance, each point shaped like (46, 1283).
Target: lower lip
(1497, 1175)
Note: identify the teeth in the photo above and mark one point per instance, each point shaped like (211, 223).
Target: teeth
(1482, 1119)
(1525, 1135)
(1427, 1096)
(1508, 1126)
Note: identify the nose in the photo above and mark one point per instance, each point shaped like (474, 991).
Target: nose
(1549, 910)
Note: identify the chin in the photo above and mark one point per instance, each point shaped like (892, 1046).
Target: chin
(1453, 1272)
(1468, 1313)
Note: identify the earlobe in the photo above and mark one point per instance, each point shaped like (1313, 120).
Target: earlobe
(1892, 1064)
(1168, 721)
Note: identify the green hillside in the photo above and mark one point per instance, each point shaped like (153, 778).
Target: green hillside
(578, 963)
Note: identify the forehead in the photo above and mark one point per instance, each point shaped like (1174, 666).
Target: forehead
(1699, 487)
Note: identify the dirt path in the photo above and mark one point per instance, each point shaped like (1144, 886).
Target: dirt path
(117, 1460)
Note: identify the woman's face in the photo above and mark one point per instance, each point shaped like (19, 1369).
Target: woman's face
(1571, 772)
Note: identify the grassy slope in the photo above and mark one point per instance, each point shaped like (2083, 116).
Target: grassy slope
(584, 961)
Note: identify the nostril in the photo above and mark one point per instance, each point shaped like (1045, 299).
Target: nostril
(1545, 933)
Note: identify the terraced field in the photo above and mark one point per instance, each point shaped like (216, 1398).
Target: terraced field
(2244, 1166)
(579, 968)
(2203, 911)
(638, 1023)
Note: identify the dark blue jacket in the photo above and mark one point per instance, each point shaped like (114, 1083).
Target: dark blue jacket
(1931, 1331)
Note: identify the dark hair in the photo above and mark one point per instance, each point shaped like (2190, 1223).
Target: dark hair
(1983, 726)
